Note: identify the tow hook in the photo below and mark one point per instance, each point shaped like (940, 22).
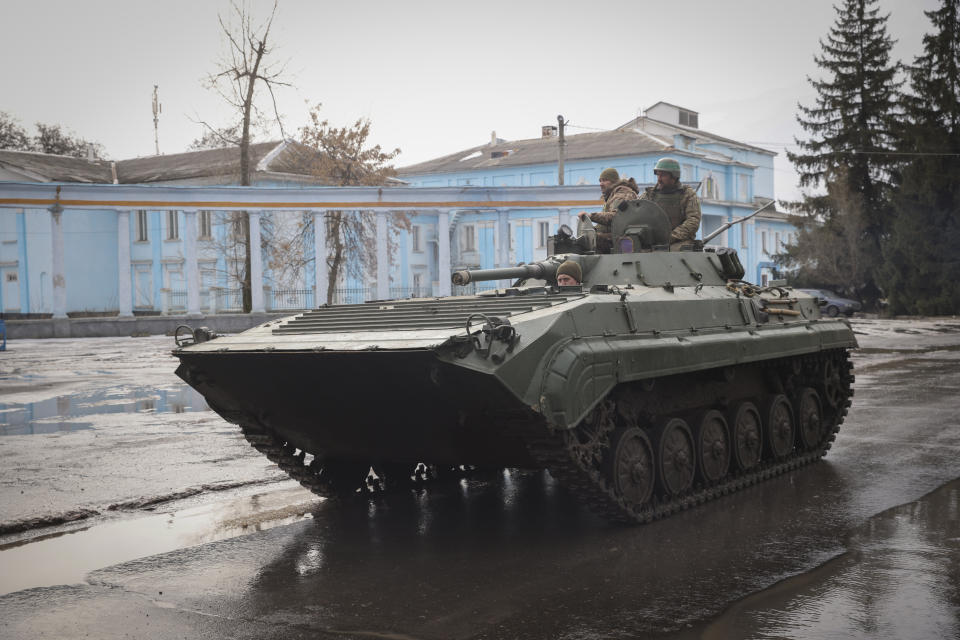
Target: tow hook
(494, 329)
(185, 335)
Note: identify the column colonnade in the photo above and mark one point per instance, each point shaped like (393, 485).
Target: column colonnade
(439, 208)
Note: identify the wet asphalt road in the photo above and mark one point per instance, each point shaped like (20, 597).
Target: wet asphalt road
(188, 532)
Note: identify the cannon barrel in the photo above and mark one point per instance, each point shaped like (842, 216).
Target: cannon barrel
(540, 270)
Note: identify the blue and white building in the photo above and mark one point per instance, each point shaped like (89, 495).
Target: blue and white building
(734, 179)
(158, 248)
(153, 240)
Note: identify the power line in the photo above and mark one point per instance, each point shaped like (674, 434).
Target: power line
(580, 126)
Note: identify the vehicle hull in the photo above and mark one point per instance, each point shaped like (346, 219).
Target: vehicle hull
(364, 406)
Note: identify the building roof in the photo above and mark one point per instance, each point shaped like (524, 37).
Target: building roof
(702, 137)
(580, 146)
(285, 158)
(669, 104)
(272, 157)
(46, 167)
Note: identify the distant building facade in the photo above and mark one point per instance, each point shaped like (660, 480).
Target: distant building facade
(156, 236)
(734, 179)
(164, 247)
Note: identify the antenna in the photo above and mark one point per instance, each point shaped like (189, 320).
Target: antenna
(157, 110)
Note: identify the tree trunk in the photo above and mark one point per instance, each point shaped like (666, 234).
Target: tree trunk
(334, 237)
(245, 174)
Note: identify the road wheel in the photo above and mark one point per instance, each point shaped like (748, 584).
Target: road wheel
(676, 457)
(630, 467)
(809, 419)
(713, 446)
(833, 311)
(832, 383)
(746, 435)
(779, 426)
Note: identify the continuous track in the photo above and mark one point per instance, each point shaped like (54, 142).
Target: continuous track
(587, 475)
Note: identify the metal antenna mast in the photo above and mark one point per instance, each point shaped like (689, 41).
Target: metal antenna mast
(157, 109)
(562, 143)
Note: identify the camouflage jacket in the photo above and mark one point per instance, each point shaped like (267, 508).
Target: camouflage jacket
(620, 192)
(681, 206)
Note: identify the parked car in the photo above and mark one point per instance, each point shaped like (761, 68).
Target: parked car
(833, 305)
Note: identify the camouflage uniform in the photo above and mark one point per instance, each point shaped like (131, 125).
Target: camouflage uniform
(682, 207)
(620, 191)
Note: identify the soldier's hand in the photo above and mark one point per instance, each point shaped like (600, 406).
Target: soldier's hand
(583, 215)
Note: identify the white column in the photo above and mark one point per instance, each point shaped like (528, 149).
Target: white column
(256, 265)
(503, 243)
(59, 277)
(191, 271)
(383, 257)
(443, 251)
(320, 268)
(124, 284)
(503, 238)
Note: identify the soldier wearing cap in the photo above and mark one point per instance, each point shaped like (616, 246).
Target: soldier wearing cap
(679, 201)
(614, 191)
(569, 274)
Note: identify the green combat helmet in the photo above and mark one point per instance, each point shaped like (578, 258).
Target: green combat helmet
(669, 165)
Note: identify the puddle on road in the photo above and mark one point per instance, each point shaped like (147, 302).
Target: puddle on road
(27, 564)
(66, 413)
(900, 579)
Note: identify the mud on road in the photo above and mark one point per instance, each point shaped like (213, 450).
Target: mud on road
(184, 529)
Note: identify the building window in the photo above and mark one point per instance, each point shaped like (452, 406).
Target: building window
(236, 227)
(417, 283)
(776, 242)
(415, 233)
(763, 242)
(173, 227)
(205, 224)
(469, 238)
(710, 188)
(689, 119)
(543, 233)
(142, 226)
(744, 187)
(11, 276)
(686, 172)
(743, 236)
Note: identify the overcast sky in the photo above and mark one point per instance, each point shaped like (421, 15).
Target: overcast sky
(434, 77)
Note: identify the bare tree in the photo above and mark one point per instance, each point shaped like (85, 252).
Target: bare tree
(243, 69)
(12, 135)
(340, 156)
(50, 138)
(219, 138)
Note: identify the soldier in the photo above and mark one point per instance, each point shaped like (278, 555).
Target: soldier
(614, 191)
(679, 201)
(569, 274)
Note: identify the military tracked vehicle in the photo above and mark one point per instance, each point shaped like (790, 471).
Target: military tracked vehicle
(661, 381)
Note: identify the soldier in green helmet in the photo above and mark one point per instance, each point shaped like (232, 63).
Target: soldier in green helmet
(679, 201)
(614, 191)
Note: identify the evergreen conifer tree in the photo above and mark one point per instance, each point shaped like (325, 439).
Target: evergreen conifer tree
(848, 150)
(921, 273)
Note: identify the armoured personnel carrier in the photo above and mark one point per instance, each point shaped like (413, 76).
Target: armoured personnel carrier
(661, 381)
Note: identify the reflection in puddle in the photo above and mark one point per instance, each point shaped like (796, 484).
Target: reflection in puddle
(901, 579)
(62, 413)
(25, 565)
